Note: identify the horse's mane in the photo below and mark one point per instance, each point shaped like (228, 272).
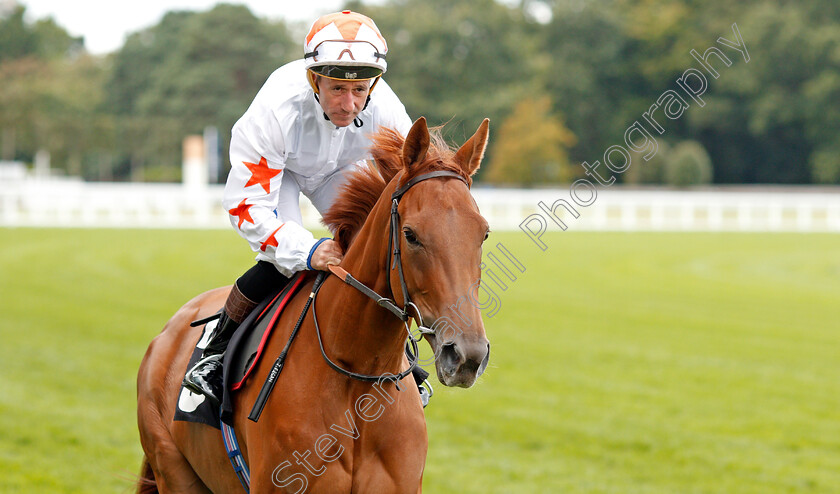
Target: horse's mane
(358, 196)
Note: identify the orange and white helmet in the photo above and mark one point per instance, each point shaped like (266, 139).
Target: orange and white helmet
(346, 46)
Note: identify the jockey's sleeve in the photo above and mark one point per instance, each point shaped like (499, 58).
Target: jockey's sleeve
(251, 197)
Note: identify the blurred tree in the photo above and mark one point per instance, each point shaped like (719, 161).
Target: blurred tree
(134, 65)
(76, 132)
(17, 40)
(191, 71)
(531, 147)
(648, 172)
(688, 164)
(19, 105)
(825, 164)
(456, 61)
(584, 73)
(741, 152)
(774, 119)
(221, 59)
(53, 106)
(765, 117)
(54, 43)
(41, 106)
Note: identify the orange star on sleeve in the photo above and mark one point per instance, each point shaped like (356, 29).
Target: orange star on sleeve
(270, 241)
(261, 174)
(241, 211)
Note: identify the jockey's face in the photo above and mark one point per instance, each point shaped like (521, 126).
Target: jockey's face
(342, 101)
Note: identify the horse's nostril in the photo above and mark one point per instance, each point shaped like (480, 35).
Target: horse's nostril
(449, 357)
(470, 367)
(485, 361)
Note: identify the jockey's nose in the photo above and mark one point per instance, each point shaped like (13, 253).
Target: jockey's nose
(348, 103)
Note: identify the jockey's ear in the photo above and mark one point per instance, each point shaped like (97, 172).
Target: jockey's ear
(471, 153)
(416, 143)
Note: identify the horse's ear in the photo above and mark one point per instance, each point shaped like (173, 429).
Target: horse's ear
(416, 143)
(470, 155)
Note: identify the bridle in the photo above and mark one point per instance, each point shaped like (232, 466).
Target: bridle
(394, 261)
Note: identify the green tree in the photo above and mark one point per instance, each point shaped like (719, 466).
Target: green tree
(42, 105)
(54, 43)
(53, 106)
(825, 165)
(456, 61)
(775, 119)
(44, 39)
(687, 164)
(583, 48)
(191, 71)
(764, 118)
(531, 147)
(17, 40)
(651, 171)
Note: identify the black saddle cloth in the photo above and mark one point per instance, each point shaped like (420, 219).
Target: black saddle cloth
(244, 351)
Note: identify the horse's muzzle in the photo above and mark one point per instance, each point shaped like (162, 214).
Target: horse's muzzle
(461, 363)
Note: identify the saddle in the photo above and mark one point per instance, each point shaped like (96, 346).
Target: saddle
(244, 351)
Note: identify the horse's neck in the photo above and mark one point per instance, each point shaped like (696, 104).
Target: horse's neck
(361, 333)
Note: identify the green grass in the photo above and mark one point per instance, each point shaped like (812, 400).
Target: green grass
(621, 363)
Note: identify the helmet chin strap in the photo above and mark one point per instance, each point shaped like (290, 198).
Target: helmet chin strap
(358, 122)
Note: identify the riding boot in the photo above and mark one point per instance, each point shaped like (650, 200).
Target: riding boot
(206, 375)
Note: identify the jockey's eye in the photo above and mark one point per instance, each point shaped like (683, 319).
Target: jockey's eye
(410, 237)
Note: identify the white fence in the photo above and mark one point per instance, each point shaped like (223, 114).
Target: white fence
(73, 203)
(779, 209)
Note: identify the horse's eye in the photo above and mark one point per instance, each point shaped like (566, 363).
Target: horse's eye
(410, 237)
(486, 235)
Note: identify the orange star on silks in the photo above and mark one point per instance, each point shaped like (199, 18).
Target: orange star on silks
(241, 211)
(271, 241)
(261, 174)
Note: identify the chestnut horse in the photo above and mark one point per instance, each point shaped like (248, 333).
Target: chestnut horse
(321, 430)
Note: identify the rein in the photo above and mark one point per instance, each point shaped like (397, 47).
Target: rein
(415, 353)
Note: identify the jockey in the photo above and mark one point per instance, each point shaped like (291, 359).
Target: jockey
(306, 130)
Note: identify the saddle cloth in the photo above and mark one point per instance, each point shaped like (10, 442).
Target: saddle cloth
(244, 351)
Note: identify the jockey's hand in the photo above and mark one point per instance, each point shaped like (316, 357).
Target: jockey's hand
(327, 253)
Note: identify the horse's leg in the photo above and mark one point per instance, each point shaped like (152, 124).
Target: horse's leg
(158, 387)
(172, 472)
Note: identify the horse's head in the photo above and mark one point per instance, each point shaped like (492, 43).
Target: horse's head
(440, 234)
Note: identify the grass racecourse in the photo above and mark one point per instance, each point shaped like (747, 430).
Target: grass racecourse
(621, 363)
